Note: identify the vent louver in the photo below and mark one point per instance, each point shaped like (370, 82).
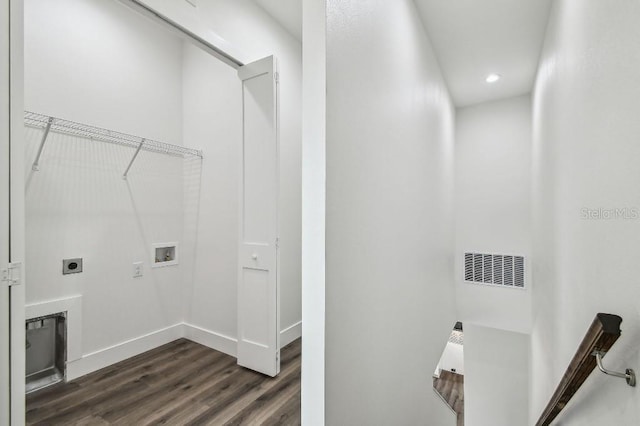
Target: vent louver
(496, 269)
(468, 267)
(477, 267)
(519, 271)
(508, 270)
(488, 269)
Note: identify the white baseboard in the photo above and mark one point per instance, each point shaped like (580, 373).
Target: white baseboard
(102, 358)
(227, 344)
(127, 349)
(211, 339)
(290, 334)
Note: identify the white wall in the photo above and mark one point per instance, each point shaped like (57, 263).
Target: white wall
(452, 359)
(212, 114)
(389, 275)
(586, 127)
(496, 379)
(97, 62)
(493, 206)
(212, 121)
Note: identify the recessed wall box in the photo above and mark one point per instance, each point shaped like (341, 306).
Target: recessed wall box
(72, 266)
(165, 254)
(46, 351)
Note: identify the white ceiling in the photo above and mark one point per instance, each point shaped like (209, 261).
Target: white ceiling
(473, 38)
(287, 12)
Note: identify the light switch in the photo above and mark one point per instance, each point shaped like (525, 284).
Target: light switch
(137, 269)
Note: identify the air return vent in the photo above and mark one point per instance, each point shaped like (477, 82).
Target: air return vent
(496, 269)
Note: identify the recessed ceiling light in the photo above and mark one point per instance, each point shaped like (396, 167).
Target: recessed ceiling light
(492, 78)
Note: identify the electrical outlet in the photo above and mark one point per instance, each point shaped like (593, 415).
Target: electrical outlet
(137, 269)
(71, 266)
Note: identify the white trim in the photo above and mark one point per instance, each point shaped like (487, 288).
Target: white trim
(127, 349)
(79, 365)
(15, 102)
(496, 285)
(5, 213)
(73, 307)
(290, 334)
(211, 339)
(314, 208)
(444, 401)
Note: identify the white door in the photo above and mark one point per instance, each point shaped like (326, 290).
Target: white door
(4, 213)
(258, 298)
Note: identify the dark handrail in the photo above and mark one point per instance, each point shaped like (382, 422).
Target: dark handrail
(600, 337)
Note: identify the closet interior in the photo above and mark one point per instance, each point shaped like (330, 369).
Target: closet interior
(153, 169)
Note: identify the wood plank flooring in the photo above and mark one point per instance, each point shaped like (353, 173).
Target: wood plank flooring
(450, 386)
(181, 383)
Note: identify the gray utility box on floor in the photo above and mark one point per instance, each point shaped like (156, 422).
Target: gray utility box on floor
(46, 351)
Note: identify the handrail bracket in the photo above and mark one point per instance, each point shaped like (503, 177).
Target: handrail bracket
(597, 341)
(629, 375)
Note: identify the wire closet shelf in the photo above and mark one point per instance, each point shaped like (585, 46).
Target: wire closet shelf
(59, 125)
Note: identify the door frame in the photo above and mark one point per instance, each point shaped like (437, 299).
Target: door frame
(12, 190)
(5, 319)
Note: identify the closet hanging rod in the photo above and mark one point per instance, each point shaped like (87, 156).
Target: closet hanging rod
(67, 127)
(170, 24)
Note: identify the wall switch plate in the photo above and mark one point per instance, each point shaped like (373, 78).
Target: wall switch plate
(137, 269)
(71, 266)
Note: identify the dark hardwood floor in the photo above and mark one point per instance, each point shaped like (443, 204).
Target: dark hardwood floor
(450, 386)
(181, 383)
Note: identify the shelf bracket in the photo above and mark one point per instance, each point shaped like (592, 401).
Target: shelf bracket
(36, 166)
(126, 172)
(629, 375)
